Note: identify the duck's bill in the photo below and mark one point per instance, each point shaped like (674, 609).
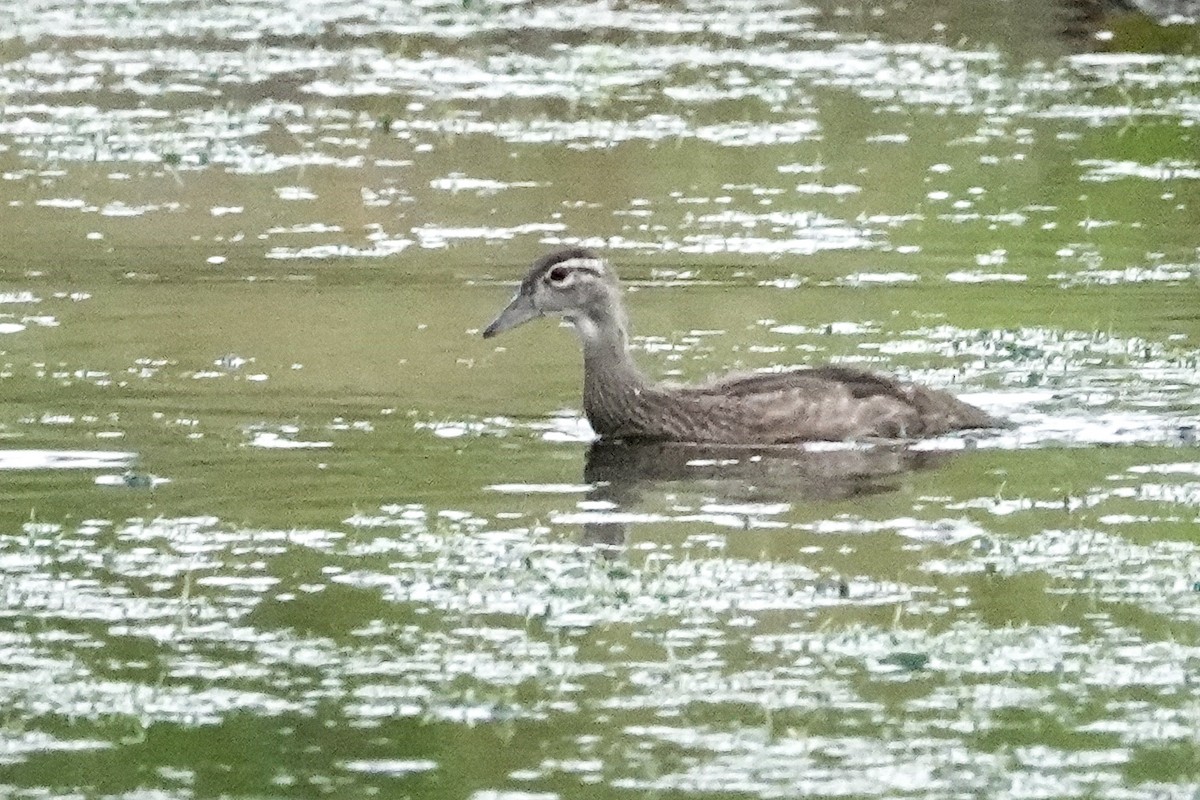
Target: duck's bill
(519, 311)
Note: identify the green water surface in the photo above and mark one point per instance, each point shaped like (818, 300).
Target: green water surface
(276, 522)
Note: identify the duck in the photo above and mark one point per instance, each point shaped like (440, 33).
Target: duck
(807, 404)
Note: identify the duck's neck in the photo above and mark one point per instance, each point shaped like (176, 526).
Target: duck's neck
(612, 382)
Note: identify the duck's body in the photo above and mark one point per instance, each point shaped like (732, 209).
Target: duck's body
(828, 403)
(820, 404)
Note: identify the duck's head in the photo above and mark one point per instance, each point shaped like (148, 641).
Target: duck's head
(575, 284)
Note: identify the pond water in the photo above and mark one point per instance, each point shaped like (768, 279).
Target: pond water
(276, 522)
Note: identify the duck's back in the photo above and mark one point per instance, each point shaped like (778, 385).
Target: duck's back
(822, 403)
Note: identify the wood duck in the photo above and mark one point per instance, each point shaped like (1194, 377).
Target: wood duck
(829, 403)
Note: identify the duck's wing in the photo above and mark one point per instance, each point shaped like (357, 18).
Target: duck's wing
(818, 380)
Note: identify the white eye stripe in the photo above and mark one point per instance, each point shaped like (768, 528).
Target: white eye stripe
(585, 264)
(572, 265)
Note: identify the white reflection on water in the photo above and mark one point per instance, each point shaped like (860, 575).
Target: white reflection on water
(131, 480)
(539, 488)
(1103, 170)
(1181, 468)
(975, 276)
(392, 767)
(876, 278)
(272, 440)
(1160, 273)
(458, 182)
(64, 459)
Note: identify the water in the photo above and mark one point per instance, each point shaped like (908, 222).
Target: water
(276, 522)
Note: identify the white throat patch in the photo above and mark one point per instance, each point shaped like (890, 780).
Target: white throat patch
(587, 330)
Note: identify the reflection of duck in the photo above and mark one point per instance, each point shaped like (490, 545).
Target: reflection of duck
(783, 473)
(822, 403)
(1082, 19)
(618, 472)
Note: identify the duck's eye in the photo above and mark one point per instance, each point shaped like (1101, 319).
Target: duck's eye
(558, 275)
